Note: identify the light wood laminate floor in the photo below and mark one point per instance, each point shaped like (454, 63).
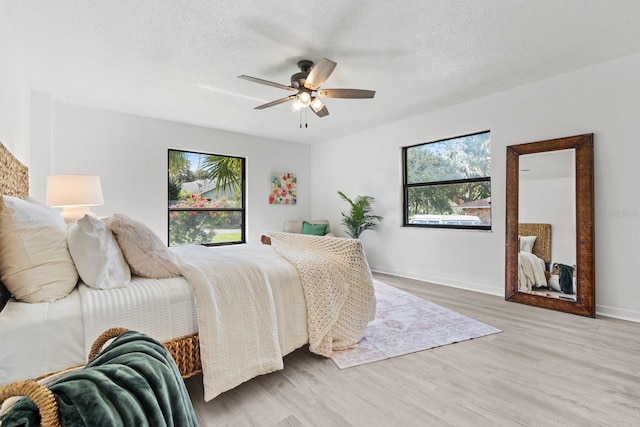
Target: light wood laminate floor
(545, 369)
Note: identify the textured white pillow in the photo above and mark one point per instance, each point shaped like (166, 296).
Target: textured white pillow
(145, 253)
(96, 254)
(526, 243)
(35, 264)
(554, 282)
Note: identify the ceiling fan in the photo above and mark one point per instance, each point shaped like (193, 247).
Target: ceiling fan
(306, 84)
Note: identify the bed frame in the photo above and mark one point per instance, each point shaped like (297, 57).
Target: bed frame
(542, 245)
(14, 181)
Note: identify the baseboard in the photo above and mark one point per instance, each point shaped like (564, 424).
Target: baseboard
(618, 313)
(469, 286)
(601, 310)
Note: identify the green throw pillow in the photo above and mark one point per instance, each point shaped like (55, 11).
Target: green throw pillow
(315, 229)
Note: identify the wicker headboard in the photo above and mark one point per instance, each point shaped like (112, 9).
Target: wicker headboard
(14, 176)
(542, 245)
(14, 181)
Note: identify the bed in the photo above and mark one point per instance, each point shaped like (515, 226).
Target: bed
(534, 256)
(231, 313)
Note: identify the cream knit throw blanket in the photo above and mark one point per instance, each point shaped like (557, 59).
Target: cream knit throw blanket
(337, 285)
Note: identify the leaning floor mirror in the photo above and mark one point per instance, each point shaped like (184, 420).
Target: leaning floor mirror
(550, 225)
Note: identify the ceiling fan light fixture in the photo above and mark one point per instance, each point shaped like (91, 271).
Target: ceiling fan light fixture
(306, 85)
(316, 104)
(305, 99)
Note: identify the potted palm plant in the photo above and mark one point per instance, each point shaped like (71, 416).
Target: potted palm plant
(359, 218)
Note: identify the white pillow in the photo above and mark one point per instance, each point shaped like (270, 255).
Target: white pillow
(554, 282)
(96, 254)
(526, 243)
(142, 248)
(35, 264)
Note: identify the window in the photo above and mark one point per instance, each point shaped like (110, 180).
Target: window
(206, 198)
(447, 183)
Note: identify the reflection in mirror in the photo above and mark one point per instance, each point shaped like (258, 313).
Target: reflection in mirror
(546, 224)
(549, 225)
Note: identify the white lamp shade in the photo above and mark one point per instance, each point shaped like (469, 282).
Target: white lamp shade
(74, 190)
(305, 99)
(316, 104)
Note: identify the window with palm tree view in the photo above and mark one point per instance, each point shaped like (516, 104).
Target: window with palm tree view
(447, 183)
(206, 198)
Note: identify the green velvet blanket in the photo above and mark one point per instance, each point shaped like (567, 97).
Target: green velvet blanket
(565, 278)
(132, 382)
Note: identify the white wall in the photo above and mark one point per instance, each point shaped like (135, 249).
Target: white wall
(129, 153)
(551, 201)
(41, 143)
(547, 194)
(602, 99)
(14, 95)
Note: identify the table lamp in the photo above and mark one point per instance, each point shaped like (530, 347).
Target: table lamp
(74, 194)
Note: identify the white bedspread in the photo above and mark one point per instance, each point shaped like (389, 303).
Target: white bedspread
(160, 308)
(40, 338)
(242, 334)
(251, 305)
(530, 272)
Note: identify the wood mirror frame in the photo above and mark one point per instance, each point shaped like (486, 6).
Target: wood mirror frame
(584, 222)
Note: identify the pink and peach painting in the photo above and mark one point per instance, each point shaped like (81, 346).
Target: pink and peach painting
(282, 188)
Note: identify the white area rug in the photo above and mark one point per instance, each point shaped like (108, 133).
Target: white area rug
(405, 324)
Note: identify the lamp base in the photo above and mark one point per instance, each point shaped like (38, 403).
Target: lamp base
(74, 213)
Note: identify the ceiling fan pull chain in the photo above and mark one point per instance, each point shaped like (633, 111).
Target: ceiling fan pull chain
(306, 125)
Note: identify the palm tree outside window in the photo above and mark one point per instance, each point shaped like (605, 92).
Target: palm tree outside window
(206, 198)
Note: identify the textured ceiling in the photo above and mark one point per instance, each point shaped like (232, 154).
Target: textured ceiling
(179, 60)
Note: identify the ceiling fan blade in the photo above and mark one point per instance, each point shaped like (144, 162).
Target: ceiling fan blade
(266, 82)
(320, 72)
(276, 102)
(346, 93)
(322, 111)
